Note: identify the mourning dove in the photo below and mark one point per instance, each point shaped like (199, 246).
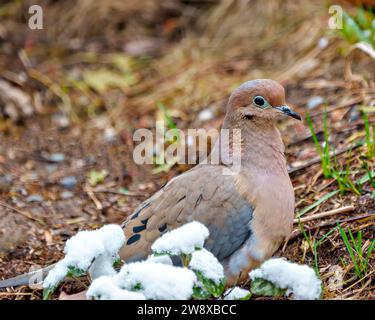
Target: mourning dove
(249, 212)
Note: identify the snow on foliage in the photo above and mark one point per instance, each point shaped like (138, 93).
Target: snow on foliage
(145, 280)
(300, 280)
(96, 249)
(207, 264)
(184, 240)
(164, 259)
(105, 288)
(201, 277)
(157, 281)
(236, 293)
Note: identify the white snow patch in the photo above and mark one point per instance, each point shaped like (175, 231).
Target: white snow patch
(105, 288)
(97, 248)
(300, 280)
(102, 266)
(164, 259)
(236, 293)
(185, 239)
(205, 262)
(157, 281)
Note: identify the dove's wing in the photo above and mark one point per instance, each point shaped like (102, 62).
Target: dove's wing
(202, 194)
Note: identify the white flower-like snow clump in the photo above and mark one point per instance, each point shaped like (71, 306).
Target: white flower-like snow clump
(96, 248)
(207, 264)
(164, 259)
(236, 293)
(157, 281)
(184, 240)
(105, 288)
(300, 280)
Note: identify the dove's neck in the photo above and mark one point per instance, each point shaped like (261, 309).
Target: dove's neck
(259, 143)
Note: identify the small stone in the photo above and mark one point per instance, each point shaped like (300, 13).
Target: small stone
(68, 182)
(35, 198)
(66, 195)
(5, 182)
(205, 115)
(57, 157)
(109, 134)
(323, 43)
(21, 190)
(51, 167)
(61, 120)
(354, 115)
(315, 102)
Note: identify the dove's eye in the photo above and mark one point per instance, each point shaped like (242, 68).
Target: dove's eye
(260, 101)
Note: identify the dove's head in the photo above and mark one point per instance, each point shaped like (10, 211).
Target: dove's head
(259, 99)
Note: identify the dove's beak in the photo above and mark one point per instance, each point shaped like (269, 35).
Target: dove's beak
(289, 112)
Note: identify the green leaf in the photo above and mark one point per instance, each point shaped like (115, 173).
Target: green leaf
(138, 286)
(103, 79)
(163, 168)
(123, 190)
(47, 292)
(117, 262)
(262, 287)
(75, 272)
(247, 297)
(96, 177)
(167, 118)
(185, 258)
(207, 287)
(200, 293)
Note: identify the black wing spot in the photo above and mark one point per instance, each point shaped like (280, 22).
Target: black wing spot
(133, 239)
(163, 185)
(136, 214)
(163, 227)
(139, 228)
(182, 198)
(144, 221)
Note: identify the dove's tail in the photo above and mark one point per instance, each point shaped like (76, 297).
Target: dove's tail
(26, 279)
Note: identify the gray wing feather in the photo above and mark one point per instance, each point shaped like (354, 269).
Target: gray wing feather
(225, 240)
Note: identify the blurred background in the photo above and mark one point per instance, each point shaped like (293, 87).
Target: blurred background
(73, 93)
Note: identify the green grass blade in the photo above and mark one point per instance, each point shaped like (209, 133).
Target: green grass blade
(350, 250)
(369, 250)
(313, 134)
(316, 203)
